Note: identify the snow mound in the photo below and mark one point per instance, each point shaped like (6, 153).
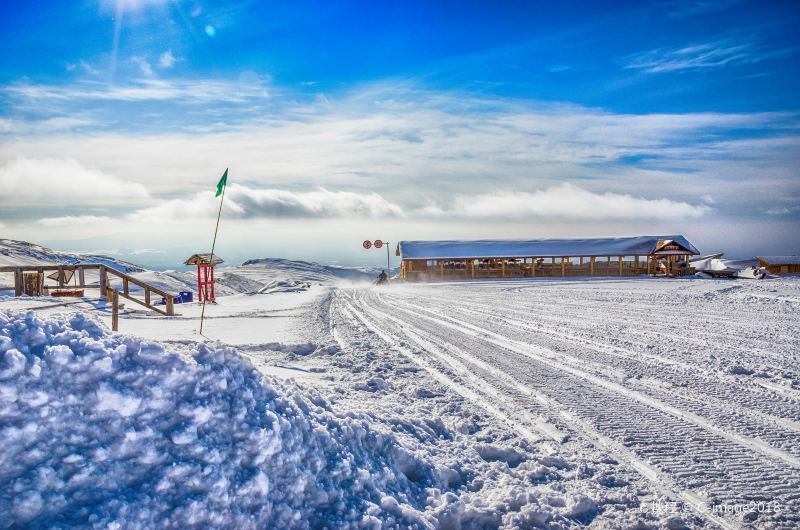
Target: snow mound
(105, 430)
(284, 286)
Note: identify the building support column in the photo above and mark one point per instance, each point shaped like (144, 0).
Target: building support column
(563, 266)
(591, 266)
(620, 265)
(441, 270)
(533, 267)
(502, 268)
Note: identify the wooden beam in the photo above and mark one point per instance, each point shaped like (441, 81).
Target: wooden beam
(620, 265)
(533, 267)
(114, 310)
(103, 283)
(591, 266)
(18, 282)
(563, 266)
(441, 270)
(502, 268)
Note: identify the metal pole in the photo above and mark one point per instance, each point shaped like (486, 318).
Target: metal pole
(388, 267)
(213, 244)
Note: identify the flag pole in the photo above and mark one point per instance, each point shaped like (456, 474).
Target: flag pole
(213, 244)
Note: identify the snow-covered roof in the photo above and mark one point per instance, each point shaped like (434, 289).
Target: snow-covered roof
(521, 248)
(780, 260)
(194, 259)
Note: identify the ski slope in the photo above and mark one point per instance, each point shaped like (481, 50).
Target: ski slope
(691, 386)
(632, 403)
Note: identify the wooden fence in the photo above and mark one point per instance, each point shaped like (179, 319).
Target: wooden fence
(104, 283)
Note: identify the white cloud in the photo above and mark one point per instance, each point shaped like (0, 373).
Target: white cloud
(73, 220)
(147, 89)
(705, 55)
(48, 181)
(244, 202)
(144, 66)
(567, 202)
(167, 60)
(782, 210)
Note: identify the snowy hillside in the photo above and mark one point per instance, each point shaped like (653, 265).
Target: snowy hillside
(14, 252)
(278, 269)
(253, 276)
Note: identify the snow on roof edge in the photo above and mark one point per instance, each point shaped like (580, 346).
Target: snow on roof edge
(780, 260)
(487, 248)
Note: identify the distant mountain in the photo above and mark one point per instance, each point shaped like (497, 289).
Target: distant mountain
(14, 252)
(269, 269)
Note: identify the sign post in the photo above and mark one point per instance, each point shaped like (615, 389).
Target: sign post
(379, 243)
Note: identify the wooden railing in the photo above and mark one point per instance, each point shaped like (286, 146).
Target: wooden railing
(103, 284)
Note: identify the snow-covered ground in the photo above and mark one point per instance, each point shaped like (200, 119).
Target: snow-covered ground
(633, 403)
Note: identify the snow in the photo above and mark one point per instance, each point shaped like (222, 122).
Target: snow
(615, 246)
(609, 403)
(780, 260)
(108, 429)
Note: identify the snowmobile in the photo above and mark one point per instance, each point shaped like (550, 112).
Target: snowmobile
(383, 278)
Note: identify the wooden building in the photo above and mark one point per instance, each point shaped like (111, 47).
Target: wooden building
(780, 264)
(621, 256)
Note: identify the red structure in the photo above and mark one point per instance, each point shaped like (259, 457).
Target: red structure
(205, 275)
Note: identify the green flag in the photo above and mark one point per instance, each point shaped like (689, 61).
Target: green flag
(221, 183)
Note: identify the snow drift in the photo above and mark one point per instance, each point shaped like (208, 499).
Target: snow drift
(100, 429)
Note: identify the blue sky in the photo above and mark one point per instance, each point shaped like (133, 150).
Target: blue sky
(418, 119)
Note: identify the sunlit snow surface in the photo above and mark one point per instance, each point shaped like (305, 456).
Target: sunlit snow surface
(101, 428)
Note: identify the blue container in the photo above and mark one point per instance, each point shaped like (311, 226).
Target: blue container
(185, 296)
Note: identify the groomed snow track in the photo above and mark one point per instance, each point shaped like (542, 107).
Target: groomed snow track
(652, 375)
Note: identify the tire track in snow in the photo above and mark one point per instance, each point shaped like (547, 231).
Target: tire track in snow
(663, 483)
(635, 357)
(564, 362)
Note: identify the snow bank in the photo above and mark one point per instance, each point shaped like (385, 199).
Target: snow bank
(102, 429)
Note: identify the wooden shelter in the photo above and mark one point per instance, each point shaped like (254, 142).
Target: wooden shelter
(621, 256)
(205, 274)
(780, 264)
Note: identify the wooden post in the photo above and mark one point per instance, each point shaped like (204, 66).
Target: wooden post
(591, 266)
(103, 282)
(502, 268)
(18, 282)
(170, 306)
(563, 265)
(81, 276)
(33, 283)
(114, 310)
(649, 264)
(60, 276)
(533, 267)
(620, 265)
(441, 270)
(125, 286)
(472, 266)
(636, 264)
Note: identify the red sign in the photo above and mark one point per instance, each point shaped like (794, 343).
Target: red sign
(367, 244)
(378, 243)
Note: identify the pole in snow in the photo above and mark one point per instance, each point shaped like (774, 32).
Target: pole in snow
(220, 191)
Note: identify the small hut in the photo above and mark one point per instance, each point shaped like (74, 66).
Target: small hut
(205, 263)
(780, 264)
